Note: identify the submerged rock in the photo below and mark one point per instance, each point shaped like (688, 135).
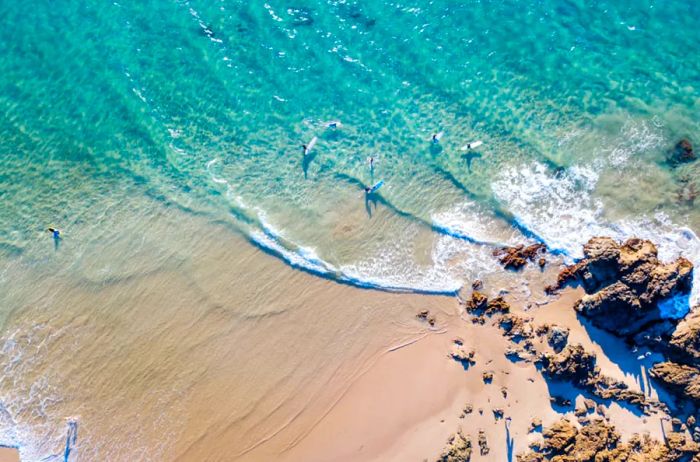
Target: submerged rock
(458, 449)
(682, 152)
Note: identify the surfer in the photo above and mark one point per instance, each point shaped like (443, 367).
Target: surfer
(307, 147)
(55, 233)
(435, 138)
(371, 163)
(334, 124)
(372, 189)
(472, 145)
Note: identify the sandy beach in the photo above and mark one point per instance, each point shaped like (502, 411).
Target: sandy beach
(243, 358)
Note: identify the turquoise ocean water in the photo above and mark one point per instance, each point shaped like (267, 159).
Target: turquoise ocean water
(204, 106)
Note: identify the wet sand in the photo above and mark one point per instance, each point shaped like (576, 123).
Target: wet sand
(218, 351)
(194, 346)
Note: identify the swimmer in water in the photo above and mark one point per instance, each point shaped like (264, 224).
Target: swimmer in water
(435, 138)
(334, 124)
(371, 163)
(368, 190)
(55, 233)
(304, 149)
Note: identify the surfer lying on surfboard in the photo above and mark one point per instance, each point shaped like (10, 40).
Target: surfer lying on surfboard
(308, 147)
(472, 145)
(373, 189)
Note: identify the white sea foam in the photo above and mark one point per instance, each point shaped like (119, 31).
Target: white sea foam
(467, 220)
(561, 209)
(558, 208)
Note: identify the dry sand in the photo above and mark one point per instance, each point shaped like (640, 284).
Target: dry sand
(406, 406)
(9, 455)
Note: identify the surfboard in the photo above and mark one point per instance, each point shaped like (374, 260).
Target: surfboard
(376, 186)
(472, 145)
(311, 144)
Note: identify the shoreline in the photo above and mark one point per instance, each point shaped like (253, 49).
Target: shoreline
(243, 358)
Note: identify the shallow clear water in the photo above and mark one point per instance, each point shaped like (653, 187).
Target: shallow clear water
(204, 106)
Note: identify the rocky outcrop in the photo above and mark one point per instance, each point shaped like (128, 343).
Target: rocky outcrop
(483, 444)
(515, 327)
(599, 441)
(516, 257)
(573, 364)
(458, 449)
(461, 355)
(557, 337)
(480, 305)
(682, 152)
(685, 340)
(627, 289)
(576, 365)
(680, 379)
(624, 283)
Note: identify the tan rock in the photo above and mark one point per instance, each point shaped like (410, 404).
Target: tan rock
(458, 449)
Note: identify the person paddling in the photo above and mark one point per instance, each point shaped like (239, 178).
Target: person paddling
(307, 147)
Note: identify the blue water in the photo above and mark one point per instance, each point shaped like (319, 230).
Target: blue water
(204, 106)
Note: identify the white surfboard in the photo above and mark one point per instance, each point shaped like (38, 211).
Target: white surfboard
(311, 144)
(472, 145)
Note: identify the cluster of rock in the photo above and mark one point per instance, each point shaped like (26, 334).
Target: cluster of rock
(516, 257)
(458, 449)
(479, 305)
(625, 283)
(628, 291)
(627, 288)
(461, 355)
(600, 441)
(576, 365)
